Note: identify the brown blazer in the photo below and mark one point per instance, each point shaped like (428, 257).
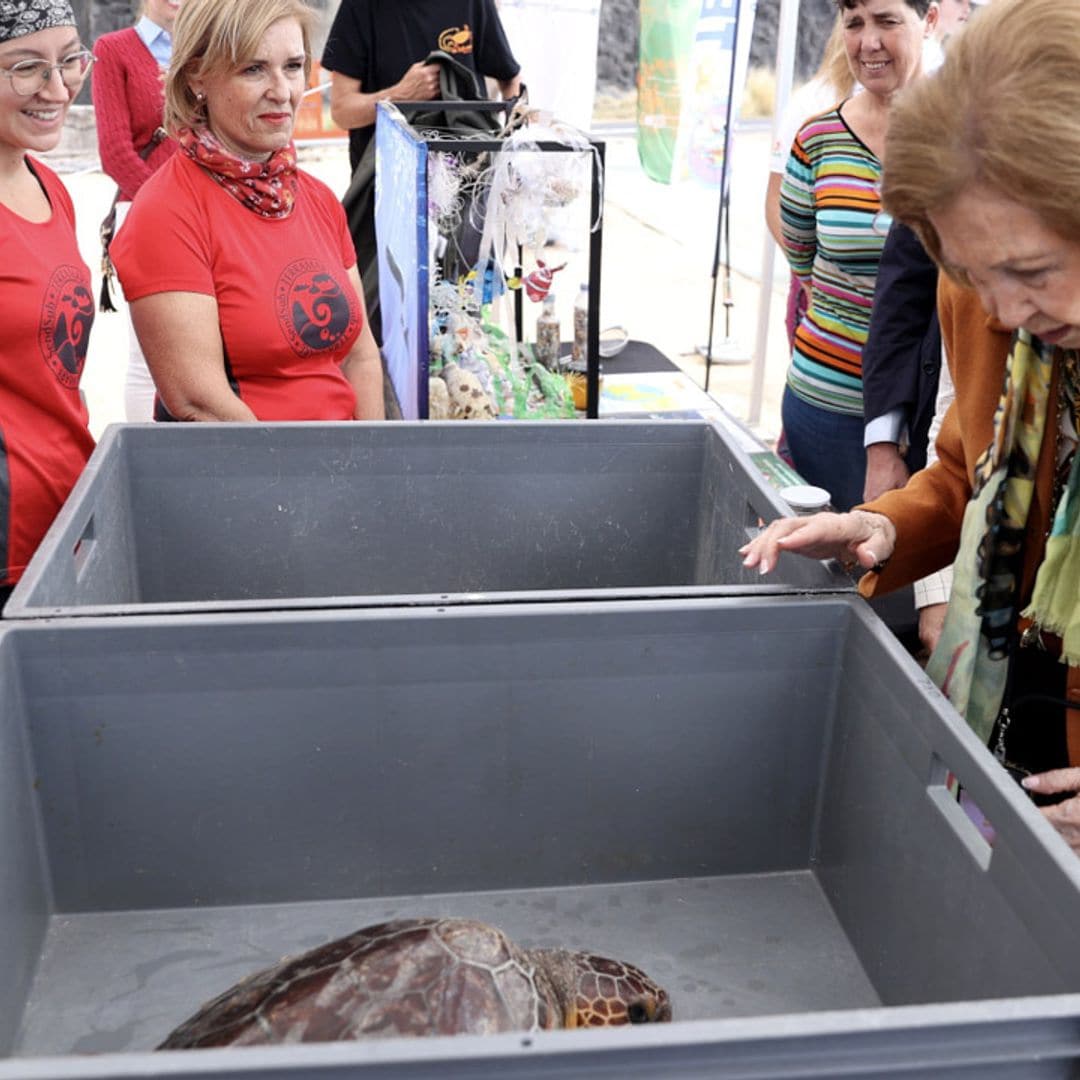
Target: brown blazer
(929, 510)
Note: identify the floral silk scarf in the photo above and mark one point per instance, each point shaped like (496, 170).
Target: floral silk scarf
(267, 188)
(1055, 601)
(971, 661)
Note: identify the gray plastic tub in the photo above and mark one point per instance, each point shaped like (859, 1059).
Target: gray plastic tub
(745, 796)
(190, 517)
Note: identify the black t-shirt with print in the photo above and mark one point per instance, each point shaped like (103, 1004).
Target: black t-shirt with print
(377, 41)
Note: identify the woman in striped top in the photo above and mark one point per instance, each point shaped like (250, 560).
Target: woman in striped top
(833, 232)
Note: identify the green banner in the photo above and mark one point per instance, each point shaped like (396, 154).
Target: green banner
(667, 38)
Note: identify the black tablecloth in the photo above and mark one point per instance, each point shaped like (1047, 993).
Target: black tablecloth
(637, 356)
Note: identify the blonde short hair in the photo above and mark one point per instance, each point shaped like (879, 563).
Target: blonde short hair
(1002, 111)
(212, 36)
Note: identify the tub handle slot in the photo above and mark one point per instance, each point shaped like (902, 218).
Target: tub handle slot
(753, 523)
(84, 547)
(961, 813)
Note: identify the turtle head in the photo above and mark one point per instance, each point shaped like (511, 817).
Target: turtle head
(602, 993)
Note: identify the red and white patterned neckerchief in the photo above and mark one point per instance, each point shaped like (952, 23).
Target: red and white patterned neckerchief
(267, 188)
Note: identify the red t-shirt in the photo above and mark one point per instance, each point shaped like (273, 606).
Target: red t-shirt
(287, 311)
(48, 311)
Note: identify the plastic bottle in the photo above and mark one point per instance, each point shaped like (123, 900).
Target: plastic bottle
(580, 351)
(548, 341)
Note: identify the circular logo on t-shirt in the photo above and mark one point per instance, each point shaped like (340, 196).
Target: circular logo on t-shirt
(313, 310)
(66, 317)
(456, 39)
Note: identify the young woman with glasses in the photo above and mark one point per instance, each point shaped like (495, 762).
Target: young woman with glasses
(48, 302)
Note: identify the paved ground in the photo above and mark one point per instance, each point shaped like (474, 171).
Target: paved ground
(658, 244)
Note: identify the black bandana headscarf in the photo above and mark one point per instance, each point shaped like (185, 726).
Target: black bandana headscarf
(21, 17)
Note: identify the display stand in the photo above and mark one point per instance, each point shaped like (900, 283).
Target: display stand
(404, 231)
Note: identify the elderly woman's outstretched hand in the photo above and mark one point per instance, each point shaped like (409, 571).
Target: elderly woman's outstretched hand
(856, 538)
(1065, 815)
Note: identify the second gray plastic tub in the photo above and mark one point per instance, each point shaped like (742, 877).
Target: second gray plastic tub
(744, 796)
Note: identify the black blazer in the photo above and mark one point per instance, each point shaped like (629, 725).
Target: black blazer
(901, 360)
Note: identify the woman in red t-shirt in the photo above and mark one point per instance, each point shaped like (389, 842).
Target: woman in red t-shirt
(238, 267)
(48, 303)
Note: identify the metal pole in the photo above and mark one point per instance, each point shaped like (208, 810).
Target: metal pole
(712, 313)
(785, 66)
(596, 210)
(722, 224)
(519, 300)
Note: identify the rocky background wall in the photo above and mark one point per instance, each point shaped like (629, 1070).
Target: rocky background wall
(617, 59)
(97, 17)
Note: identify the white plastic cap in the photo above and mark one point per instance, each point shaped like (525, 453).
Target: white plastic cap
(805, 498)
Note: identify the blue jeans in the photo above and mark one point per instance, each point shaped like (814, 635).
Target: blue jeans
(827, 449)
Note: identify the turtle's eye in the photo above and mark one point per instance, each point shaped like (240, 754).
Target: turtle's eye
(637, 1013)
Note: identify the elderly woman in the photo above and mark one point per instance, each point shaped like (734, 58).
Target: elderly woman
(833, 233)
(984, 162)
(238, 267)
(48, 304)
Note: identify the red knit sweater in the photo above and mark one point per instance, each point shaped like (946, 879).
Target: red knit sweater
(128, 94)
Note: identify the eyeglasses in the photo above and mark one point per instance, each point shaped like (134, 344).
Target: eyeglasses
(30, 76)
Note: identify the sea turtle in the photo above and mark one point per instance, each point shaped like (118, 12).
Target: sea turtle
(423, 977)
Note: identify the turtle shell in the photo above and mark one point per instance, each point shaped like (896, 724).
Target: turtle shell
(407, 977)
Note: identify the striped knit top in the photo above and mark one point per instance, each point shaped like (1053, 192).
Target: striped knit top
(834, 230)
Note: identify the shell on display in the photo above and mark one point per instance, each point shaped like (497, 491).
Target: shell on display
(422, 977)
(438, 399)
(468, 399)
